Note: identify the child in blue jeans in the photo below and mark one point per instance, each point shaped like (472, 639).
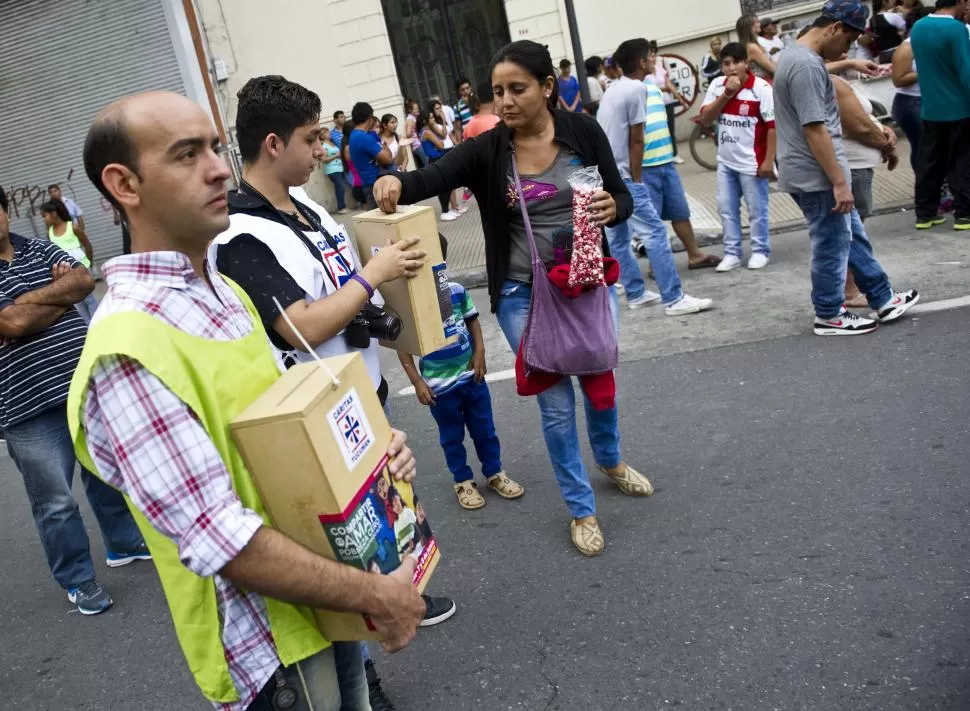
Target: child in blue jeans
(452, 382)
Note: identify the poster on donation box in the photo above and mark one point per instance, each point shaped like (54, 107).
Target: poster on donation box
(316, 446)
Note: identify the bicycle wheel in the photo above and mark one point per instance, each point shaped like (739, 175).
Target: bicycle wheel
(703, 147)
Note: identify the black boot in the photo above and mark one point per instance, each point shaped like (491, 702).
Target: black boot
(378, 700)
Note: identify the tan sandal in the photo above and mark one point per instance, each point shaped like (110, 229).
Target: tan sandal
(469, 496)
(587, 537)
(505, 487)
(630, 481)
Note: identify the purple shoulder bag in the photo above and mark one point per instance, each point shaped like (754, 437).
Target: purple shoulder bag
(563, 335)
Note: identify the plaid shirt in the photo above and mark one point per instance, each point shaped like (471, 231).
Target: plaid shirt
(150, 445)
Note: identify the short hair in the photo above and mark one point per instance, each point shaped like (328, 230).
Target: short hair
(361, 112)
(3, 199)
(337, 114)
(565, 64)
(462, 81)
(58, 208)
(941, 4)
(628, 55)
(272, 104)
(108, 141)
(52, 186)
(444, 255)
(593, 65)
(653, 46)
(484, 93)
(734, 50)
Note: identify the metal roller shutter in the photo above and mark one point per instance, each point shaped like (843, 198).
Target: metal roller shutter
(64, 60)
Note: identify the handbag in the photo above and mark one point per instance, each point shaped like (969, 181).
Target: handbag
(563, 335)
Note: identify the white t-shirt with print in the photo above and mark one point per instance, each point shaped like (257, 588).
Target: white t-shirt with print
(742, 140)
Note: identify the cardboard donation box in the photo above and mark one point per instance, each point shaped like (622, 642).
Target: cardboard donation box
(318, 455)
(424, 302)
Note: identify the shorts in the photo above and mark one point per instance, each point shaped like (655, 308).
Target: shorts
(862, 190)
(666, 192)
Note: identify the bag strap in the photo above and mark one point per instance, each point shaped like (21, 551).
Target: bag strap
(536, 262)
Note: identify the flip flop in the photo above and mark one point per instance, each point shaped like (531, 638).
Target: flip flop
(708, 262)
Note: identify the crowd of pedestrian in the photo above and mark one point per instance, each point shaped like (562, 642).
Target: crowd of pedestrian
(140, 389)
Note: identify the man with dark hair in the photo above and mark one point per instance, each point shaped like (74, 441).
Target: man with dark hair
(174, 354)
(41, 337)
(814, 169)
(337, 134)
(768, 38)
(485, 118)
(941, 48)
(743, 106)
(281, 246)
(623, 116)
(463, 109)
(77, 216)
(368, 154)
(594, 67)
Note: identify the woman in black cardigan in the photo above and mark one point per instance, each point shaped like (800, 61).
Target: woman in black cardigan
(548, 146)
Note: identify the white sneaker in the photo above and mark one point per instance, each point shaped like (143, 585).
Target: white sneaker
(449, 216)
(462, 209)
(688, 305)
(645, 299)
(901, 302)
(619, 288)
(678, 160)
(728, 263)
(845, 324)
(758, 261)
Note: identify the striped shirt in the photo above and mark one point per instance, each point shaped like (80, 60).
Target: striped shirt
(36, 371)
(464, 112)
(658, 148)
(447, 369)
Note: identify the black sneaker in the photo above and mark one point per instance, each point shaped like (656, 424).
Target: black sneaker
(90, 598)
(438, 610)
(901, 302)
(845, 324)
(961, 223)
(378, 699)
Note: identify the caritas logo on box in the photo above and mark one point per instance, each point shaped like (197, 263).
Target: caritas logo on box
(351, 429)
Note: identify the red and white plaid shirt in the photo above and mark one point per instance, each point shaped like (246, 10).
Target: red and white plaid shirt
(150, 445)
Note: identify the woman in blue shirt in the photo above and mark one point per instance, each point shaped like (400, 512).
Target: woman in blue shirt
(432, 131)
(569, 96)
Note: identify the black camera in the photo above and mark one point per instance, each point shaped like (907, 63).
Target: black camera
(372, 322)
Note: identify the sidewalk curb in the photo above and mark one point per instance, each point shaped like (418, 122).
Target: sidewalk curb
(477, 277)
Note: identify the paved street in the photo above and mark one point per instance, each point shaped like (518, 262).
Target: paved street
(806, 547)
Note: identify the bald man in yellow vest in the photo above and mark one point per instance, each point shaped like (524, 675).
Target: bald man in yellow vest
(175, 353)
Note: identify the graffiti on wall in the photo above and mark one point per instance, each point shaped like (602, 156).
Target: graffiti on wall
(25, 199)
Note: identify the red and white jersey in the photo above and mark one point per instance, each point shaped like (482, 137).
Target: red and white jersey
(742, 140)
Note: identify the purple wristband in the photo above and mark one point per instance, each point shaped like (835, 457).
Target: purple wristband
(363, 282)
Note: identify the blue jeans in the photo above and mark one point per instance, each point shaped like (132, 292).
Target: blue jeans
(906, 113)
(43, 451)
(334, 680)
(667, 192)
(557, 410)
(731, 185)
(468, 405)
(339, 189)
(840, 242)
(87, 307)
(644, 221)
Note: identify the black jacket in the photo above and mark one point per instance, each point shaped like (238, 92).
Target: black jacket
(482, 165)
